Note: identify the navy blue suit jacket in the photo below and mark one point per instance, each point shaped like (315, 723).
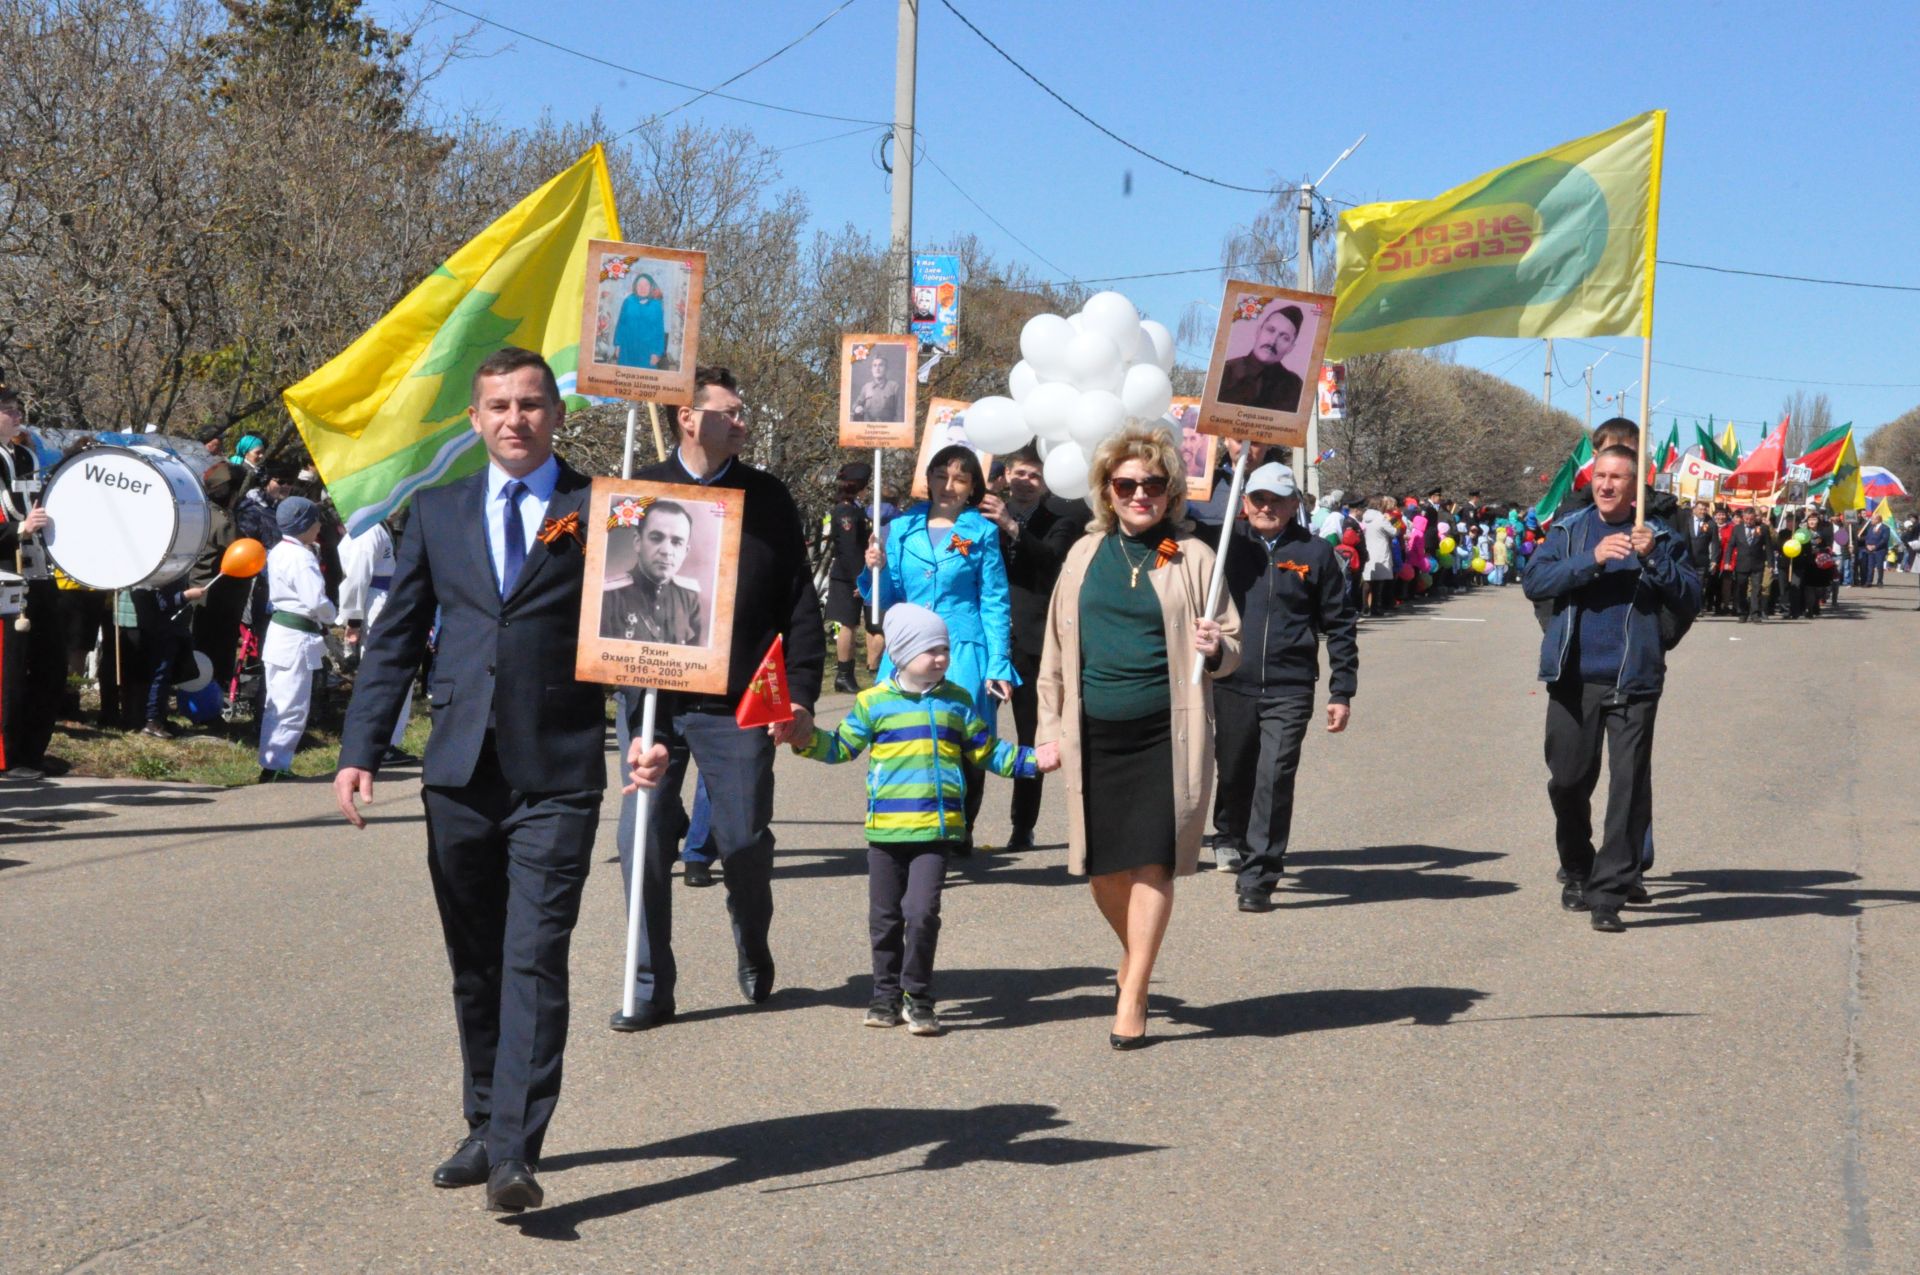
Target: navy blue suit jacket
(505, 661)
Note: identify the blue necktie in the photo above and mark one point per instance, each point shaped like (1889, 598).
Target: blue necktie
(516, 537)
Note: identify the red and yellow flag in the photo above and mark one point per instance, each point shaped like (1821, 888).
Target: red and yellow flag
(767, 699)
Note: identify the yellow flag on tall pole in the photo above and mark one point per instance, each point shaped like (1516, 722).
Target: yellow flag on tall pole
(387, 416)
(1561, 244)
(1730, 442)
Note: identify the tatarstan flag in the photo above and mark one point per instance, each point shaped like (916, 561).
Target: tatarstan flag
(1667, 455)
(1711, 450)
(1833, 469)
(1573, 475)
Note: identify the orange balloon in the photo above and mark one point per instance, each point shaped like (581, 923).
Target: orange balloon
(244, 558)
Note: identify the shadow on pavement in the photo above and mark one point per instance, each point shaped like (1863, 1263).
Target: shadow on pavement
(969, 999)
(762, 1150)
(1387, 874)
(1758, 894)
(1289, 1013)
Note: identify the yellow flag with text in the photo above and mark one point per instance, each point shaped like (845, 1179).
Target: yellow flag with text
(388, 416)
(1561, 244)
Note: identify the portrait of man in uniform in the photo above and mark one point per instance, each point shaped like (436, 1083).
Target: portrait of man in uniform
(1260, 377)
(655, 603)
(877, 395)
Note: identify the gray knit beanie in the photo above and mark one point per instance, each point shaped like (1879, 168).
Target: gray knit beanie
(911, 629)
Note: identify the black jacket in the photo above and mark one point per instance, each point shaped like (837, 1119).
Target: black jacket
(774, 596)
(1033, 564)
(1289, 597)
(1747, 549)
(505, 663)
(1703, 546)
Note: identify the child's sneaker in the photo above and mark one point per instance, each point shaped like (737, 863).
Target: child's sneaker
(921, 1018)
(883, 1013)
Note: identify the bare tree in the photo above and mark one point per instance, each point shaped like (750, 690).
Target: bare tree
(1808, 417)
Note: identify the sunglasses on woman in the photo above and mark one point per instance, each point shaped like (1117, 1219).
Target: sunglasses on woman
(1125, 487)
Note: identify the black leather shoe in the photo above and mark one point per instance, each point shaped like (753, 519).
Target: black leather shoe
(467, 1166)
(1573, 896)
(698, 874)
(512, 1187)
(1254, 901)
(756, 983)
(1637, 895)
(645, 1014)
(1124, 1043)
(1607, 921)
(1022, 839)
(1561, 876)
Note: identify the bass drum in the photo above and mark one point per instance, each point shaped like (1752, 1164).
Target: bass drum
(125, 517)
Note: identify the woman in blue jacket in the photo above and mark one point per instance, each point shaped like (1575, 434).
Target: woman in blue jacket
(640, 335)
(944, 555)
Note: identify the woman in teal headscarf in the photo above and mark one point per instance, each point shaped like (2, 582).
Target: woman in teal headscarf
(640, 335)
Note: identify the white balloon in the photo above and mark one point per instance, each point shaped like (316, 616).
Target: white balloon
(1156, 333)
(1021, 380)
(1043, 446)
(1066, 470)
(1138, 349)
(1096, 415)
(1094, 362)
(1048, 408)
(1078, 322)
(1043, 341)
(995, 424)
(1146, 391)
(1114, 317)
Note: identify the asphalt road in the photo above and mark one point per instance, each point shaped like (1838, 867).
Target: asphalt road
(227, 1045)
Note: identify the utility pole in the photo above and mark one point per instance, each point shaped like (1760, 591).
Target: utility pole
(900, 248)
(1547, 392)
(1306, 469)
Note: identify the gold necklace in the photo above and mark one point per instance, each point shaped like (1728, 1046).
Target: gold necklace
(1133, 573)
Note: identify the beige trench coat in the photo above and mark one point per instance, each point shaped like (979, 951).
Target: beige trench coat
(1182, 586)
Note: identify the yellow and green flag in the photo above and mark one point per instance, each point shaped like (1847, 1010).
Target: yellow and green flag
(1832, 468)
(388, 415)
(1561, 244)
(1729, 442)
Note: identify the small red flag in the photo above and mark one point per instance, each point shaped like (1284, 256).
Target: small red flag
(767, 700)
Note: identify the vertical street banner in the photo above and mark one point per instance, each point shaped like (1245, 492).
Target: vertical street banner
(1333, 391)
(388, 415)
(1560, 244)
(933, 312)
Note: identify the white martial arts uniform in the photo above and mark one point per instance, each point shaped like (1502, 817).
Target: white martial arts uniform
(295, 584)
(366, 565)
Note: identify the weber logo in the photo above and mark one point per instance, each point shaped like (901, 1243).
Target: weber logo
(107, 478)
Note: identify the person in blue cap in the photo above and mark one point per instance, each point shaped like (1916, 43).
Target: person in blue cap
(295, 644)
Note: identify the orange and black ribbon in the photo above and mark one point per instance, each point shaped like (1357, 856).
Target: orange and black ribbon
(1169, 550)
(960, 545)
(1298, 568)
(553, 528)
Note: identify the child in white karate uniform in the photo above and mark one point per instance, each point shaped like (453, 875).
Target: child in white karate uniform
(295, 643)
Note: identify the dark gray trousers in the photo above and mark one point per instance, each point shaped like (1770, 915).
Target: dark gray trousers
(903, 916)
(1582, 717)
(1258, 740)
(738, 767)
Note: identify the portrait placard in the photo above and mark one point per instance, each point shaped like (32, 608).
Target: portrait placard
(946, 425)
(657, 606)
(1265, 371)
(640, 331)
(877, 390)
(1200, 450)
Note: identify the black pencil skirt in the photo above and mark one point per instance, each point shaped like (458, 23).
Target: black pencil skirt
(1127, 782)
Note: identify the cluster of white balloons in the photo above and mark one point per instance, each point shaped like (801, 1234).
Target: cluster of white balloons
(1079, 380)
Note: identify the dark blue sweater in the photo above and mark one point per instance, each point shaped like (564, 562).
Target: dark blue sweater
(1600, 641)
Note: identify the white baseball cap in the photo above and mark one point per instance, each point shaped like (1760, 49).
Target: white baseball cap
(1272, 478)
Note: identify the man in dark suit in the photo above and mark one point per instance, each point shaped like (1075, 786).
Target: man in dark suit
(773, 597)
(515, 766)
(1258, 378)
(1748, 549)
(1033, 561)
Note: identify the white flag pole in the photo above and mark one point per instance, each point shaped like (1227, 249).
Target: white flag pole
(879, 457)
(1220, 556)
(642, 800)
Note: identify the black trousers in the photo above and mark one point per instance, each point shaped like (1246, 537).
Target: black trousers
(903, 916)
(508, 869)
(1749, 594)
(1257, 740)
(1026, 720)
(216, 627)
(1581, 718)
(738, 767)
(33, 676)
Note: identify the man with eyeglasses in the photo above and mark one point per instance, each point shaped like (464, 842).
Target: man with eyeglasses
(774, 597)
(1291, 592)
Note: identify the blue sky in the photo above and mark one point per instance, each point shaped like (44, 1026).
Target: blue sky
(1789, 145)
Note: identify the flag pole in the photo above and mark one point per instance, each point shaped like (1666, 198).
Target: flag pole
(1646, 314)
(625, 1020)
(1220, 558)
(1640, 466)
(879, 458)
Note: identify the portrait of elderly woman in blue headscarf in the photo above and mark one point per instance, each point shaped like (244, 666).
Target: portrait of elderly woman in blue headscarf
(640, 334)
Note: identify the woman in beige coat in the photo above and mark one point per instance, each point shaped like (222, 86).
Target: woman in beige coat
(1120, 711)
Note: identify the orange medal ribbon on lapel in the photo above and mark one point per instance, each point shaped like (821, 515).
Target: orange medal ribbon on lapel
(1298, 568)
(553, 528)
(1167, 552)
(960, 545)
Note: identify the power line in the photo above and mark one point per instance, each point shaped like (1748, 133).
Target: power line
(1034, 252)
(1102, 128)
(832, 137)
(705, 93)
(661, 79)
(1782, 380)
(1795, 278)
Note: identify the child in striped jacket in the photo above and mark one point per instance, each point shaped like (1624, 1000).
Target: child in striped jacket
(918, 729)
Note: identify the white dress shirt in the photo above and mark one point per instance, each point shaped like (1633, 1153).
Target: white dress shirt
(533, 507)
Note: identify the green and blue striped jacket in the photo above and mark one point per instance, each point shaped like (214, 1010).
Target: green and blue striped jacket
(916, 789)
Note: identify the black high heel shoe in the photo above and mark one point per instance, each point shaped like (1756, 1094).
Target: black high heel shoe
(1115, 1039)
